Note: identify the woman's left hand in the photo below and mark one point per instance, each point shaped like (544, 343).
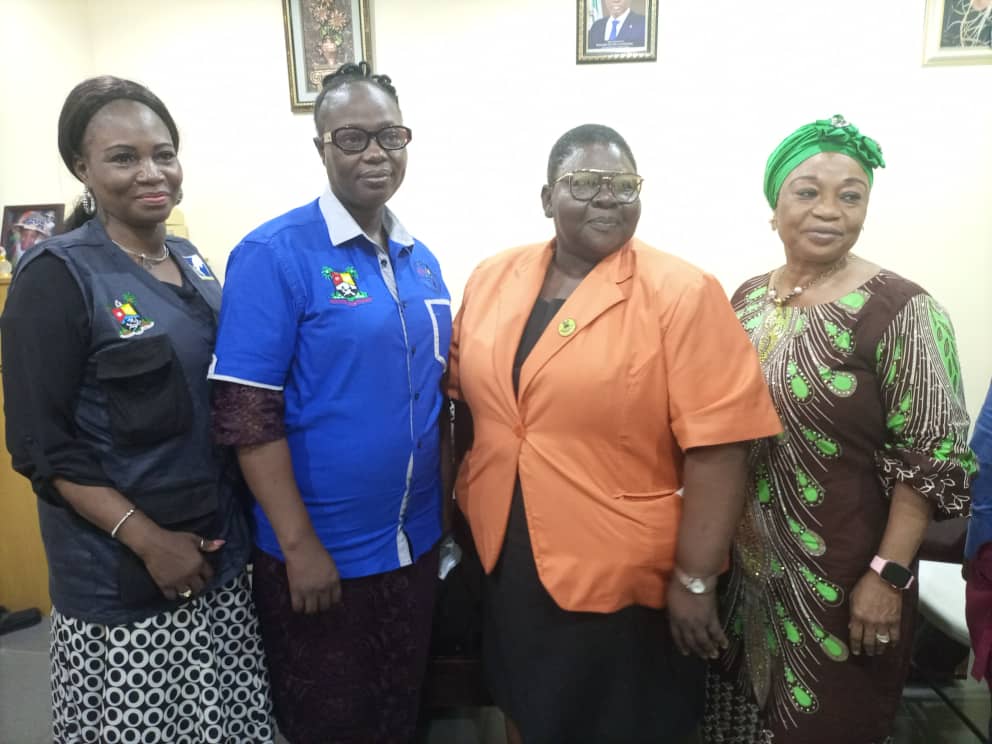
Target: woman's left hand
(876, 612)
(695, 623)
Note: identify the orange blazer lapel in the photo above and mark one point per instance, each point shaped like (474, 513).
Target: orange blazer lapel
(605, 286)
(517, 295)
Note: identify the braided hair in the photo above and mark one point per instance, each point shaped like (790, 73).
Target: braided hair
(349, 74)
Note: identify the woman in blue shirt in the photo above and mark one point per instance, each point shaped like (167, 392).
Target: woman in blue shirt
(333, 337)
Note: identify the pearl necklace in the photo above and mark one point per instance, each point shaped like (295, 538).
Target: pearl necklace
(796, 291)
(147, 262)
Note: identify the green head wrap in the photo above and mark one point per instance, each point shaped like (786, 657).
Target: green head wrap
(826, 135)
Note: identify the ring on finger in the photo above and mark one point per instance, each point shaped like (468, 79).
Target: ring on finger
(186, 593)
(202, 543)
(882, 637)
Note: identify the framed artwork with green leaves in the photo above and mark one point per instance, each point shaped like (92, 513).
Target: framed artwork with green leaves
(322, 35)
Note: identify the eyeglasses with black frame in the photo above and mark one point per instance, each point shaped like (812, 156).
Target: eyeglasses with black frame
(355, 140)
(586, 183)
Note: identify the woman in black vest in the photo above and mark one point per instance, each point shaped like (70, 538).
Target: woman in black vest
(107, 336)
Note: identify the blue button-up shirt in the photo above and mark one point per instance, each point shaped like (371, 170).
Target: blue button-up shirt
(357, 339)
(980, 527)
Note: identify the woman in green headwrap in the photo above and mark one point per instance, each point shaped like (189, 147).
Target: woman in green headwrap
(863, 370)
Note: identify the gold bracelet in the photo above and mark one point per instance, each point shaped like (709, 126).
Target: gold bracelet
(113, 532)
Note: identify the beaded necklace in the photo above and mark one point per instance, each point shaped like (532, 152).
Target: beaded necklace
(796, 291)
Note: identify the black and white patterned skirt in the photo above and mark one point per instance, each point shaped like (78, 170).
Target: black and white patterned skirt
(193, 675)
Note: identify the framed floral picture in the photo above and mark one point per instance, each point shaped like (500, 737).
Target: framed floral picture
(958, 32)
(322, 35)
(24, 225)
(616, 31)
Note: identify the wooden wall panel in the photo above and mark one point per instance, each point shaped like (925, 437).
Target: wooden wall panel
(23, 568)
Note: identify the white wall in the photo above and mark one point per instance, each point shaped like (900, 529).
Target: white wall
(33, 82)
(488, 86)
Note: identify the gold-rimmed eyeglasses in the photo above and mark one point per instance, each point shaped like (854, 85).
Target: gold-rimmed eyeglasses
(353, 139)
(586, 183)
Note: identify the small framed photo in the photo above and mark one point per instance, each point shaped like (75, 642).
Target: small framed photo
(322, 35)
(958, 32)
(616, 31)
(24, 225)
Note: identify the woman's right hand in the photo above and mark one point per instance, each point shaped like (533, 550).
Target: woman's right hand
(177, 563)
(314, 583)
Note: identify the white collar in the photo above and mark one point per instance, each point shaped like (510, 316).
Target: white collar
(622, 18)
(342, 227)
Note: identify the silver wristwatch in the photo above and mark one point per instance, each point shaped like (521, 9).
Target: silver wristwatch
(694, 584)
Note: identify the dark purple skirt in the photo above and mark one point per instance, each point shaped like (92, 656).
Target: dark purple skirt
(354, 673)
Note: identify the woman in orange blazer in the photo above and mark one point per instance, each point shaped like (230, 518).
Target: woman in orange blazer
(610, 389)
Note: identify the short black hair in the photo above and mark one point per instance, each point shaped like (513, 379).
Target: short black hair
(82, 104)
(348, 74)
(580, 136)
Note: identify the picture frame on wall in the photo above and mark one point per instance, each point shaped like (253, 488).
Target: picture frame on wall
(616, 31)
(25, 225)
(322, 35)
(958, 32)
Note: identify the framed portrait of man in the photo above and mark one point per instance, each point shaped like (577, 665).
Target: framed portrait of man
(616, 31)
(322, 35)
(958, 32)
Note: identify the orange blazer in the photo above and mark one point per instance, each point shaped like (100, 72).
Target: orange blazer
(643, 361)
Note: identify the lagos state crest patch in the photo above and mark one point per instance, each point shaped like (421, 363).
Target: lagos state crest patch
(130, 321)
(346, 289)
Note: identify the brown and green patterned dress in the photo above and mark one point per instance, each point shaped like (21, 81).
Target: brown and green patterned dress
(868, 389)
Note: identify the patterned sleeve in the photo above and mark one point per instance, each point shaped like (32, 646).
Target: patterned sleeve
(920, 383)
(245, 416)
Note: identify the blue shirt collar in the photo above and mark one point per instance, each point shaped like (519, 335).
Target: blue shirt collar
(342, 227)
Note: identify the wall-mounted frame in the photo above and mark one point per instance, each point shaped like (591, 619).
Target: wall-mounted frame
(616, 31)
(322, 35)
(958, 32)
(24, 225)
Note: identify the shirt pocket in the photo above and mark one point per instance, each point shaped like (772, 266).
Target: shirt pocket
(432, 327)
(649, 521)
(148, 399)
(661, 493)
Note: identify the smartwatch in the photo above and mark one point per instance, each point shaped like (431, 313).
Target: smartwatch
(898, 577)
(693, 584)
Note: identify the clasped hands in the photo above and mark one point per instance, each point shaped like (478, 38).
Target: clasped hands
(876, 613)
(177, 562)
